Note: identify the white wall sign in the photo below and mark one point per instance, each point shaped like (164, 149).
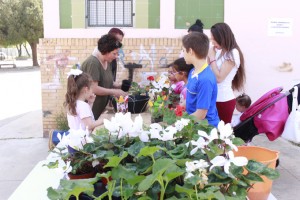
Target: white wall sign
(280, 27)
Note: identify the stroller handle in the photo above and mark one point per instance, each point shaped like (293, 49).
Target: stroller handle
(292, 90)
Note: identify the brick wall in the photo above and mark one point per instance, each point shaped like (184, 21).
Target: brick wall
(59, 55)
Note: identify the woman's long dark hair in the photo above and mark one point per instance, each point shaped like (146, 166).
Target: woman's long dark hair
(225, 38)
(74, 87)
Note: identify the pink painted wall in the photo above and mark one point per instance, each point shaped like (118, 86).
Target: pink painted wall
(263, 54)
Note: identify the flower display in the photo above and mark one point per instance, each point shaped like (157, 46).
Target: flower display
(158, 85)
(185, 160)
(122, 104)
(157, 106)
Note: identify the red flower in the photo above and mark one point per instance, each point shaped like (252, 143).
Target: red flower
(150, 78)
(179, 110)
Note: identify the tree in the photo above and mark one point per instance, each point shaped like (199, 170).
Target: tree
(23, 21)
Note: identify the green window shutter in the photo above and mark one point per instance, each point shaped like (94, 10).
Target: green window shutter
(154, 14)
(65, 13)
(208, 11)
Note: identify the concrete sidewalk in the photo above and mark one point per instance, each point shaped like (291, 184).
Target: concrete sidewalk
(22, 147)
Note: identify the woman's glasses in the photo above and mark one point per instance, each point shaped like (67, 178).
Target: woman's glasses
(172, 73)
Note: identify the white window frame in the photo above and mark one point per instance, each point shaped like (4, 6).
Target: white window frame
(105, 22)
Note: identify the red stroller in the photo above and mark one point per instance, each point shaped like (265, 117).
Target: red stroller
(267, 115)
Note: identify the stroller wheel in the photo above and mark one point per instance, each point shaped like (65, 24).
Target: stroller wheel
(277, 162)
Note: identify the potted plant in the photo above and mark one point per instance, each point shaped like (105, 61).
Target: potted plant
(157, 108)
(75, 155)
(185, 160)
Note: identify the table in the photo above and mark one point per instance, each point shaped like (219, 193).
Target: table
(34, 186)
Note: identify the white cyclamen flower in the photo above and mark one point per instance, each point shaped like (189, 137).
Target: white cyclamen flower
(168, 133)
(180, 124)
(222, 161)
(125, 122)
(112, 126)
(200, 144)
(76, 138)
(225, 130)
(155, 130)
(137, 127)
(212, 136)
(144, 136)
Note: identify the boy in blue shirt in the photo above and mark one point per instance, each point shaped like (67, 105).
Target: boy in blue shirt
(202, 84)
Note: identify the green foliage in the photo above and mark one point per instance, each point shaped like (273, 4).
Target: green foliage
(21, 21)
(158, 169)
(61, 121)
(136, 89)
(72, 188)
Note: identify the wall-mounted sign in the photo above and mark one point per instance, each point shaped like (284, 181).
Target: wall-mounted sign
(280, 27)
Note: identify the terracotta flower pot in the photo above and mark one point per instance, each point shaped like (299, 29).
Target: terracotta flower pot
(91, 174)
(261, 190)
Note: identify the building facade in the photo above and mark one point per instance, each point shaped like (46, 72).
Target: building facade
(266, 32)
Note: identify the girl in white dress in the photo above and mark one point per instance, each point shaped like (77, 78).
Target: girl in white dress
(79, 99)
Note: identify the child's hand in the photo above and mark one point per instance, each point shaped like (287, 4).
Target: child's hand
(91, 99)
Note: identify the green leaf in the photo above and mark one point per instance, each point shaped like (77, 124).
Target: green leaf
(181, 162)
(214, 180)
(144, 198)
(182, 189)
(134, 149)
(89, 147)
(104, 154)
(255, 167)
(120, 172)
(219, 172)
(271, 173)
(236, 170)
(253, 177)
(147, 183)
(161, 165)
(172, 175)
(181, 151)
(193, 180)
(115, 160)
(148, 151)
(144, 165)
(236, 191)
(52, 165)
(72, 187)
(238, 141)
(54, 194)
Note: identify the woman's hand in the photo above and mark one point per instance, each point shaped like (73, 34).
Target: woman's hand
(211, 54)
(118, 92)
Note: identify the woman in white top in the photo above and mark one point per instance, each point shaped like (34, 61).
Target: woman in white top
(79, 99)
(227, 62)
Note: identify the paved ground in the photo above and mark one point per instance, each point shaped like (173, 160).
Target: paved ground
(22, 146)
